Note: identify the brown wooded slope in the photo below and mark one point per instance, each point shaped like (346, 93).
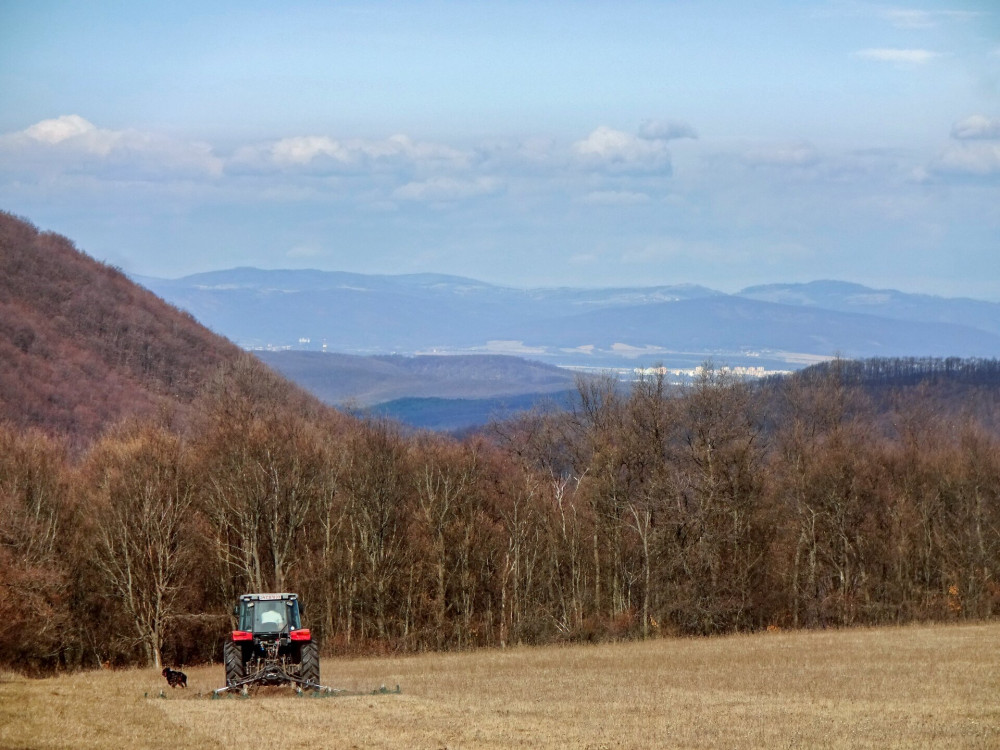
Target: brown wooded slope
(82, 346)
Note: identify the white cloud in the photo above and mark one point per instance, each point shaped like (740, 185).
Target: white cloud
(911, 18)
(665, 130)
(320, 150)
(73, 128)
(615, 150)
(980, 159)
(898, 56)
(526, 153)
(302, 150)
(907, 18)
(72, 142)
(976, 127)
(444, 189)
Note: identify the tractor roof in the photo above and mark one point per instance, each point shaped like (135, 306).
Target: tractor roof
(267, 597)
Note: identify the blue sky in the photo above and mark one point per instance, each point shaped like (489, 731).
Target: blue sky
(523, 143)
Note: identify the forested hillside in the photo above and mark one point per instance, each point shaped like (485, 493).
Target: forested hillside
(81, 346)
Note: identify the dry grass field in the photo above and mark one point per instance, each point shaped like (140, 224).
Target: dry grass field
(934, 687)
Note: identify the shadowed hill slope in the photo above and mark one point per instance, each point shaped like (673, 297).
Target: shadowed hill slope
(82, 346)
(364, 381)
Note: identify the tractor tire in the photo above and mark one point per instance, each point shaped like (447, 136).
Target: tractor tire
(233, 657)
(309, 664)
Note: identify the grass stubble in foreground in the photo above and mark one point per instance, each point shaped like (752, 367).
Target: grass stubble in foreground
(918, 686)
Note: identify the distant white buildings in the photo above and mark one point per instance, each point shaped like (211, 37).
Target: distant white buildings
(695, 372)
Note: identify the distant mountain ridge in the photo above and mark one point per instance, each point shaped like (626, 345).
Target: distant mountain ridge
(728, 326)
(887, 303)
(773, 326)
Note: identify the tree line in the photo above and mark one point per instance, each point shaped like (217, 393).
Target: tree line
(642, 511)
(897, 371)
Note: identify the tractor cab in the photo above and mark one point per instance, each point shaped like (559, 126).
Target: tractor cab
(269, 613)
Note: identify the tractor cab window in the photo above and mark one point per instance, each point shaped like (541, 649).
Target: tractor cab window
(270, 616)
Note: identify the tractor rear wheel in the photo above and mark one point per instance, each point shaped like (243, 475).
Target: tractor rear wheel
(233, 656)
(309, 665)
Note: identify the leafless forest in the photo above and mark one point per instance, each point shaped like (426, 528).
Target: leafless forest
(825, 499)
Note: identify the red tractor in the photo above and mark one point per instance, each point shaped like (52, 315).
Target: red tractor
(270, 646)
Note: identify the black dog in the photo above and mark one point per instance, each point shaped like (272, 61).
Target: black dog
(175, 678)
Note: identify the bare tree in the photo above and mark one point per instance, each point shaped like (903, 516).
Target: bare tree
(262, 474)
(141, 483)
(444, 477)
(718, 489)
(828, 474)
(377, 488)
(34, 533)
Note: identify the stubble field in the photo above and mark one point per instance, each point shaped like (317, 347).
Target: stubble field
(926, 686)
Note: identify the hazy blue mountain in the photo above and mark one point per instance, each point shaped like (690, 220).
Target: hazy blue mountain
(886, 303)
(727, 325)
(350, 312)
(776, 326)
